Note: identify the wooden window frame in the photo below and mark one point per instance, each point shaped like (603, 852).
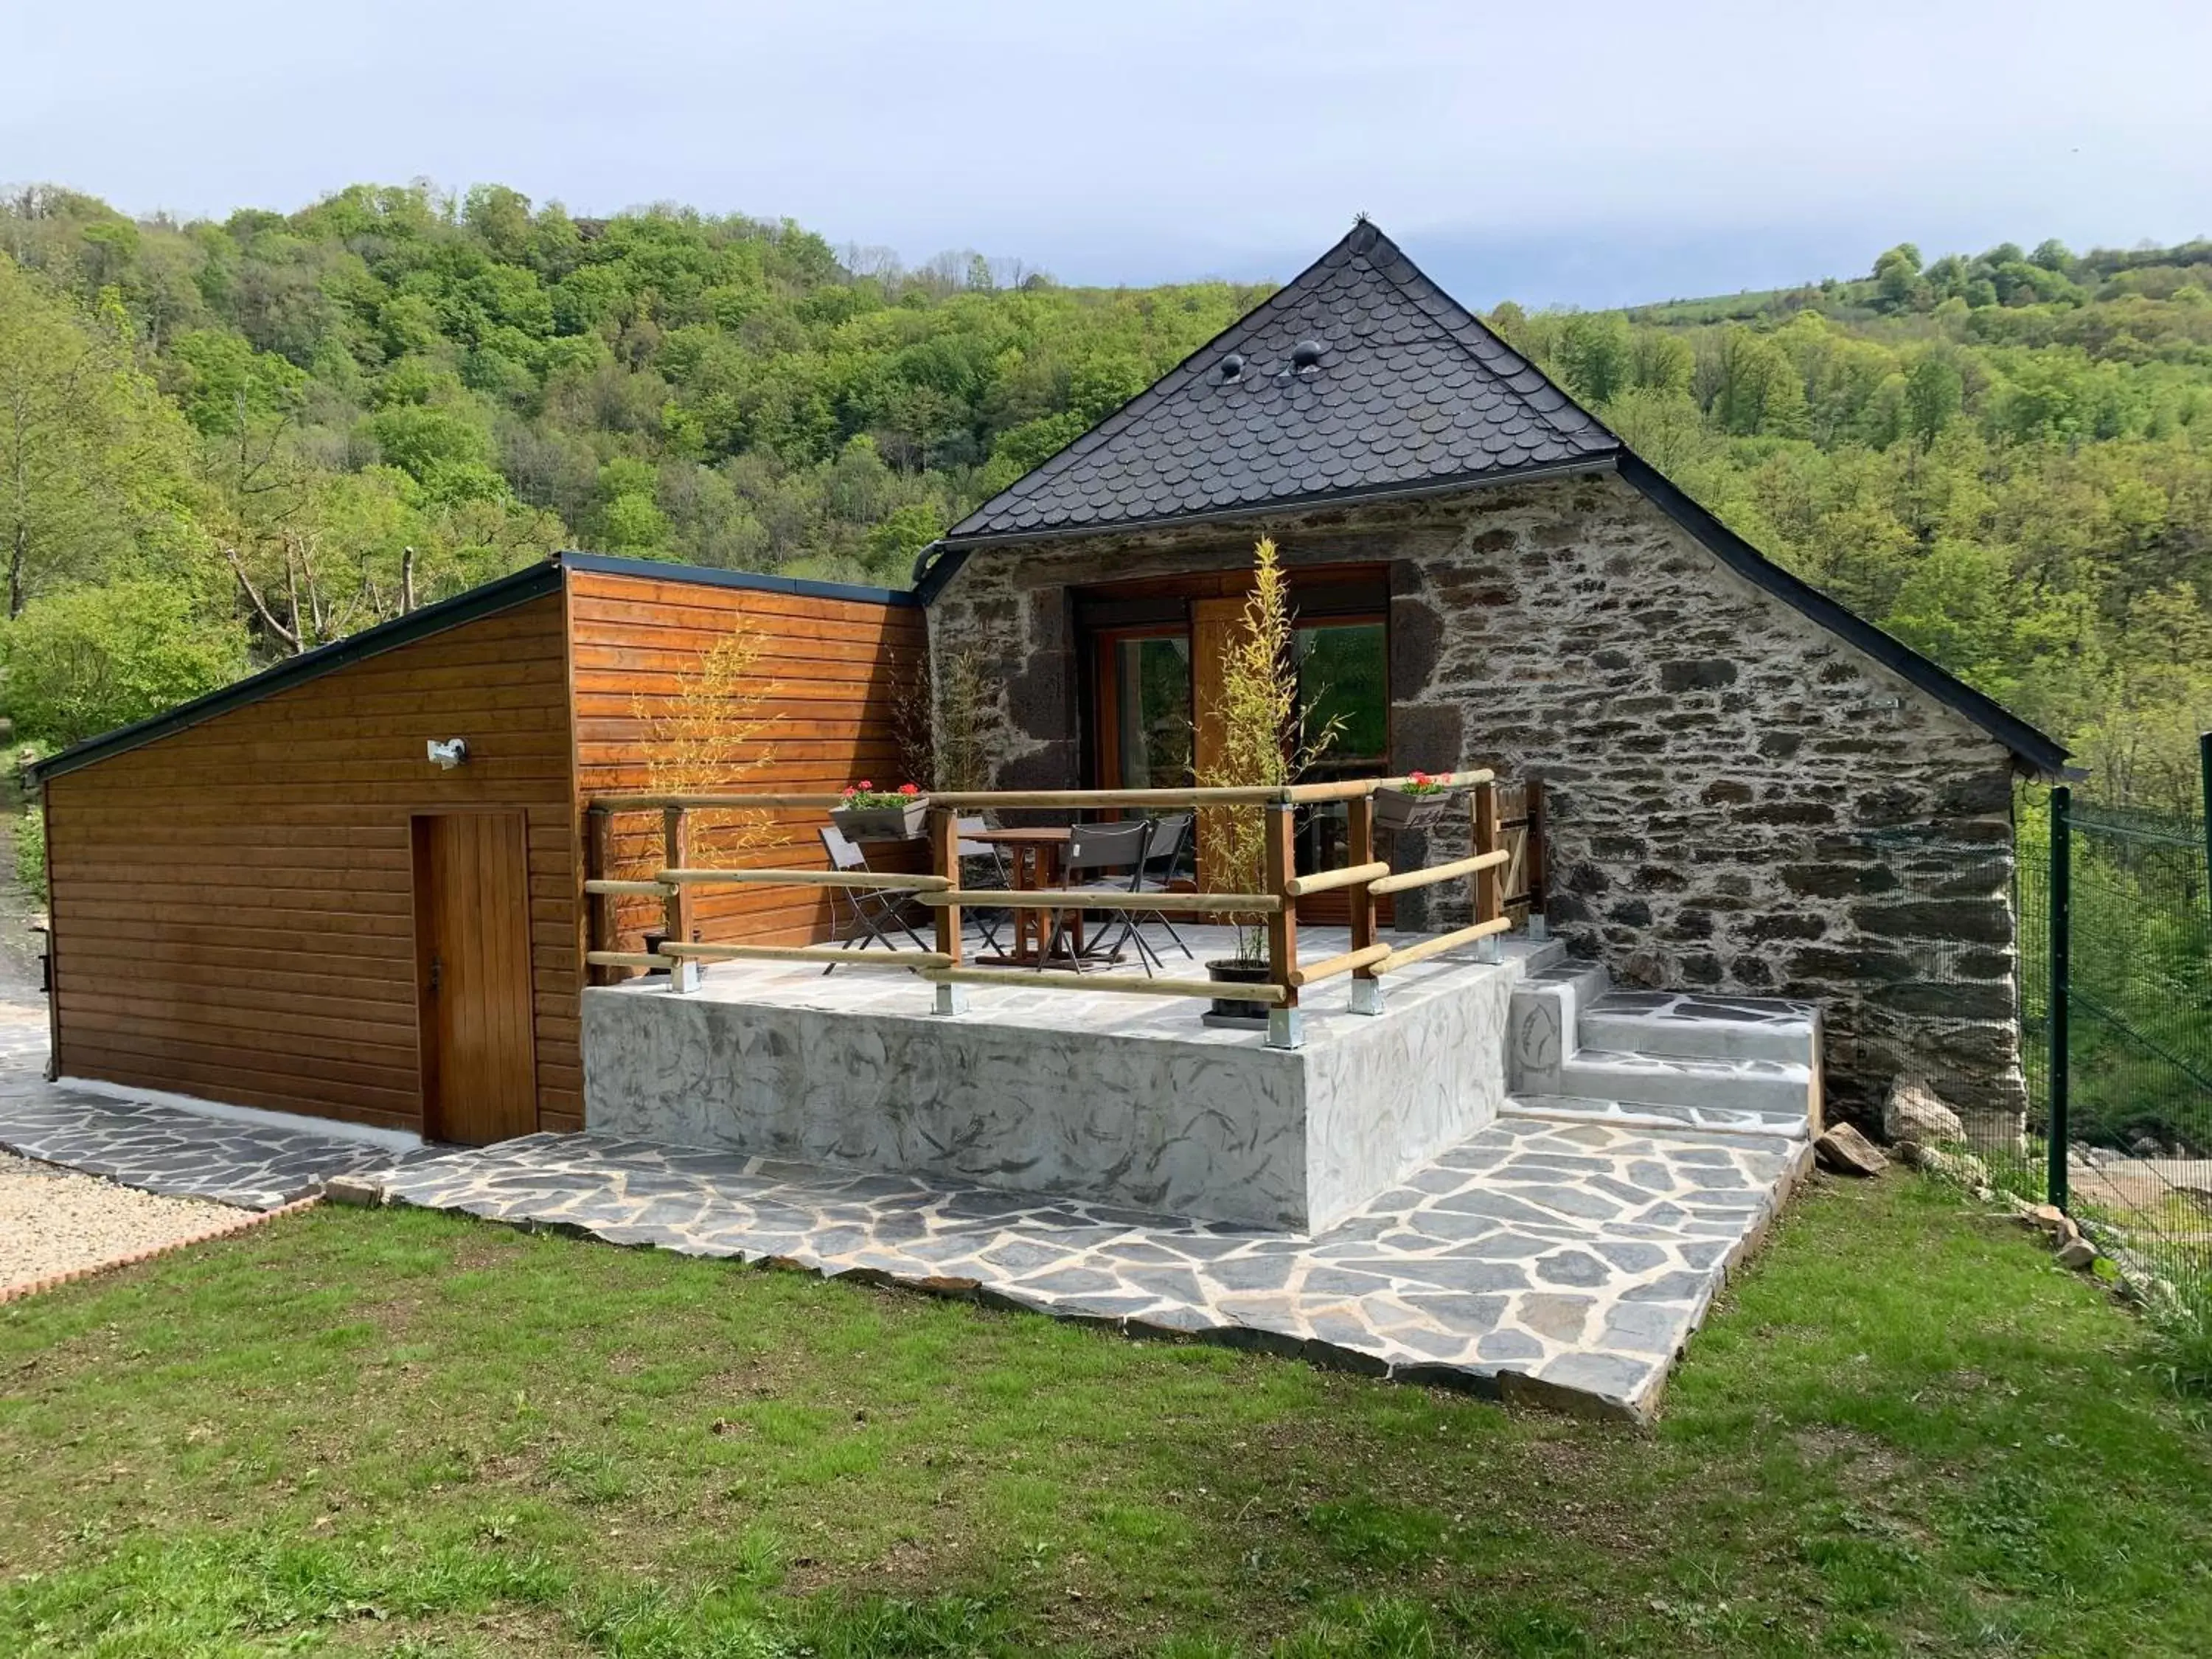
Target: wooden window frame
(1105, 723)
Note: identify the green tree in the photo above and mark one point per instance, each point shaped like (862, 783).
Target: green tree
(92, 461)
(84, 659)
(1597, 356)
(1757, 391)
(1934, 393)
(1897, 278)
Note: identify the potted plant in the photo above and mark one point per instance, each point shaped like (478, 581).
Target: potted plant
(1261, 742)
(1416, 803)
(873, 814)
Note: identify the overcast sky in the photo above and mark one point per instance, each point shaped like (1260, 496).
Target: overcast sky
(1592, 153)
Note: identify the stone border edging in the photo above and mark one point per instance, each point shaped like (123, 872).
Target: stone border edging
(251, 1219)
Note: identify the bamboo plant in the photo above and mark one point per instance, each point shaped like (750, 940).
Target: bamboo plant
(711, 736)
(1262, 740)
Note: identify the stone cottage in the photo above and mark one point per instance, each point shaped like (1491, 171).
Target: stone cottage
(1751, 789)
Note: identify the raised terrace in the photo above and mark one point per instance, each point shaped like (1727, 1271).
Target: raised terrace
(1087, 1093)
(1387, 1168)
(1056, 1073)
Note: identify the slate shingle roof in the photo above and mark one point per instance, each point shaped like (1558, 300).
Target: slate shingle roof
(1410, 390)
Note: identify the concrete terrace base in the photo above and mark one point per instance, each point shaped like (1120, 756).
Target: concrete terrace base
(1100, 1096)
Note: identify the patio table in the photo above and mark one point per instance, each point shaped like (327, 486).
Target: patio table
(1037, 855)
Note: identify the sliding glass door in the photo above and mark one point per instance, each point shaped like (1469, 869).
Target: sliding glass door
(1150, 714)
(1344, 700)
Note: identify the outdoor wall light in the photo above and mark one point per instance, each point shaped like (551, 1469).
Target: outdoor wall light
(448, 752)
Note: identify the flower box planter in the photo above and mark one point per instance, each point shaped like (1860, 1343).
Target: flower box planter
(904, 823)
(1408, 809)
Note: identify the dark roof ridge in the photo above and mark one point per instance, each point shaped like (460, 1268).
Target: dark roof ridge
(1545, 398)
(1414, 389)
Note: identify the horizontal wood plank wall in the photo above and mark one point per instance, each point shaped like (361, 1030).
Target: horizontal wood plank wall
(232, 905)
(833, 668)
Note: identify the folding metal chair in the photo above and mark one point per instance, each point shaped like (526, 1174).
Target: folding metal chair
(987, 922)
(1104, 846)
(869, 909)
(1173, 844)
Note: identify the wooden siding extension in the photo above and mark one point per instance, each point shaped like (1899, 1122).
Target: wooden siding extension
(233, 903)
(834, 668)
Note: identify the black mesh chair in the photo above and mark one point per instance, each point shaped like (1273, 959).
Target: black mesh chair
(1104, 846)
(1170, 857)
(987, 922)
(870, 911)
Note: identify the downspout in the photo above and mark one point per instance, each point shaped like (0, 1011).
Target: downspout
(935, 566)
(922, 560)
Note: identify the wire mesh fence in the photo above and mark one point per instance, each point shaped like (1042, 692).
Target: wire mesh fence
(2126, 1080)
(2075, 1065)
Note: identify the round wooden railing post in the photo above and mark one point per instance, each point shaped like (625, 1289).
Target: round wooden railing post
(1487, 894)
(603, 911)
(1286, 1026)
(1359, 834)
(945, 861)
(676, 910)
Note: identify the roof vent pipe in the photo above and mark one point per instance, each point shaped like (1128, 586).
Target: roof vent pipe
(1305, 357)
(1232, 367)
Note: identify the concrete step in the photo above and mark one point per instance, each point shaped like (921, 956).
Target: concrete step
(1781, 1089)
(1685, 1026)
(1543, 1024)
(1635, 1115)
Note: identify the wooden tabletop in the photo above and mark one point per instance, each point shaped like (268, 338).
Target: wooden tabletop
(1041, 836)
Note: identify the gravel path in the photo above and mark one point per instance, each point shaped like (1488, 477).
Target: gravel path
(53, 1221)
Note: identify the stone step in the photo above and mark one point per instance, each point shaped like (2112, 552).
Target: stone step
(1685, 1026)
(1543, 1024)
(1535, 955)
(1634, 1115)
(1783, 1089)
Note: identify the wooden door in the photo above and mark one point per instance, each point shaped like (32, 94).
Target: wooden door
(472, 966)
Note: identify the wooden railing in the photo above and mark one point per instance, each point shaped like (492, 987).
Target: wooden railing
(1363, 878)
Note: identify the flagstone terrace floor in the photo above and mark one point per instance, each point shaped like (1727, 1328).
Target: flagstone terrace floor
(1564, 1261)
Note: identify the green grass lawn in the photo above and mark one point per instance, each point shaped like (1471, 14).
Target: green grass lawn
(400, 1432)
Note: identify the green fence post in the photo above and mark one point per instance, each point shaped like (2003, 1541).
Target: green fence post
(2204, 776)
(2062, 907)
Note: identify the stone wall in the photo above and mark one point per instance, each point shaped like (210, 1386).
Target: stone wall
(1741, 801)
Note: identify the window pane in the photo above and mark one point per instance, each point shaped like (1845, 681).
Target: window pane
(1153, 721)
(1344, 675)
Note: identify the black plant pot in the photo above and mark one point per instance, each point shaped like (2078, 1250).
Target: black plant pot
(1236, 971)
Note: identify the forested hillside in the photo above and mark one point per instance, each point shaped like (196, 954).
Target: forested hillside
(221, 443)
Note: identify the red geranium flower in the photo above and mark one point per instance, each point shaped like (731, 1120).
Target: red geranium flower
(909, 789)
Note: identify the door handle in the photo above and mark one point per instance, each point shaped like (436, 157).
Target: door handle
(437, 974)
